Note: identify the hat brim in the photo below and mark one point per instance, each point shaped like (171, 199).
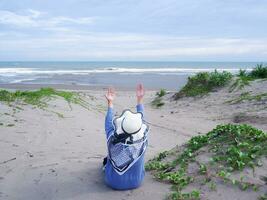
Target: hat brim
(117, 122)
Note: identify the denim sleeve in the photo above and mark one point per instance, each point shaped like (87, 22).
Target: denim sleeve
(108, 122)
(140, 108)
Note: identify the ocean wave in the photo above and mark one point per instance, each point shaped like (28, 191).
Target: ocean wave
(22, 80)
(16, 71)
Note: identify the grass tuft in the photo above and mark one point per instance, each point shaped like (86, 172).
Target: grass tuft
(243, 77)
(161, 93)
(259, 72)
(203, 83)
(157, 102)
(246, 96)
(39, 97)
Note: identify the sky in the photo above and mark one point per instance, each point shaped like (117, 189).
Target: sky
(131, 30)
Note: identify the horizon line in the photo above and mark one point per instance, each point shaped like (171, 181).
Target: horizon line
(131, 61)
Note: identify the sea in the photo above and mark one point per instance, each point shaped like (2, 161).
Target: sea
(154, 75)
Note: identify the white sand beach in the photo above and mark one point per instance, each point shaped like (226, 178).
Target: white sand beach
(199, 68)
(57, 152)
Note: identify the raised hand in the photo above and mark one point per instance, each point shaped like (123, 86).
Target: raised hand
(110, 96)
(140, 93)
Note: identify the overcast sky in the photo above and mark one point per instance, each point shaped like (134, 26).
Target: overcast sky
(178, 30)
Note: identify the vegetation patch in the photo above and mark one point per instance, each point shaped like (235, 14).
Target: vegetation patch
(40, 97)
(259, 72)
(203, 83)
(158, 101)
(231, 149)
(10, 125)
(240, 82)
(244, 77)
(246, 96)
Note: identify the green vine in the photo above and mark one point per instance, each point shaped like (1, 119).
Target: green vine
(232, 148)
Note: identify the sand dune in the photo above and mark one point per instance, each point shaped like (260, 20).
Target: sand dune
(46, 156)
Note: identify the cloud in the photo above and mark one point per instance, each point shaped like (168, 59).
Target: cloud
(107, 46)
(10, 18)
(35, 18)
(35, 13)
(145, 30)
(60, 20)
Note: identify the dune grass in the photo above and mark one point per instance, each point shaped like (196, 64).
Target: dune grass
(231, 149)
(259, 72)
(246, 96)
(39, 97)
(158, 101)
(244, 78)
(161, 93)
(203, 83)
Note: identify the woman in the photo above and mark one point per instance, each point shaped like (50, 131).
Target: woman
(127, 142)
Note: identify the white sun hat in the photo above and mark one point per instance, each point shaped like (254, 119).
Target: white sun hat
(130, 126)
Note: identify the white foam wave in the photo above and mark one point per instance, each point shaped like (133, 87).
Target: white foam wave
(23, 80)
(22, 71)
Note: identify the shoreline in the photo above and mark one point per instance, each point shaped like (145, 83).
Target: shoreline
(17, 86)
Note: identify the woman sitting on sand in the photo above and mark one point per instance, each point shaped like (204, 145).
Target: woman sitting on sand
(127, 142)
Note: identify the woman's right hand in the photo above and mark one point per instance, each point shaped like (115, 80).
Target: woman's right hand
(110, 96)
(140, 93)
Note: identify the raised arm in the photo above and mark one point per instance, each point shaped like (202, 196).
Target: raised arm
(110, 96)
(140, 93)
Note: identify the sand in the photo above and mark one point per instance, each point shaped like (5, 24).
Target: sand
(46, 156)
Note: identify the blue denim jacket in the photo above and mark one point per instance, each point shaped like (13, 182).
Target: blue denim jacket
(133, 177)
